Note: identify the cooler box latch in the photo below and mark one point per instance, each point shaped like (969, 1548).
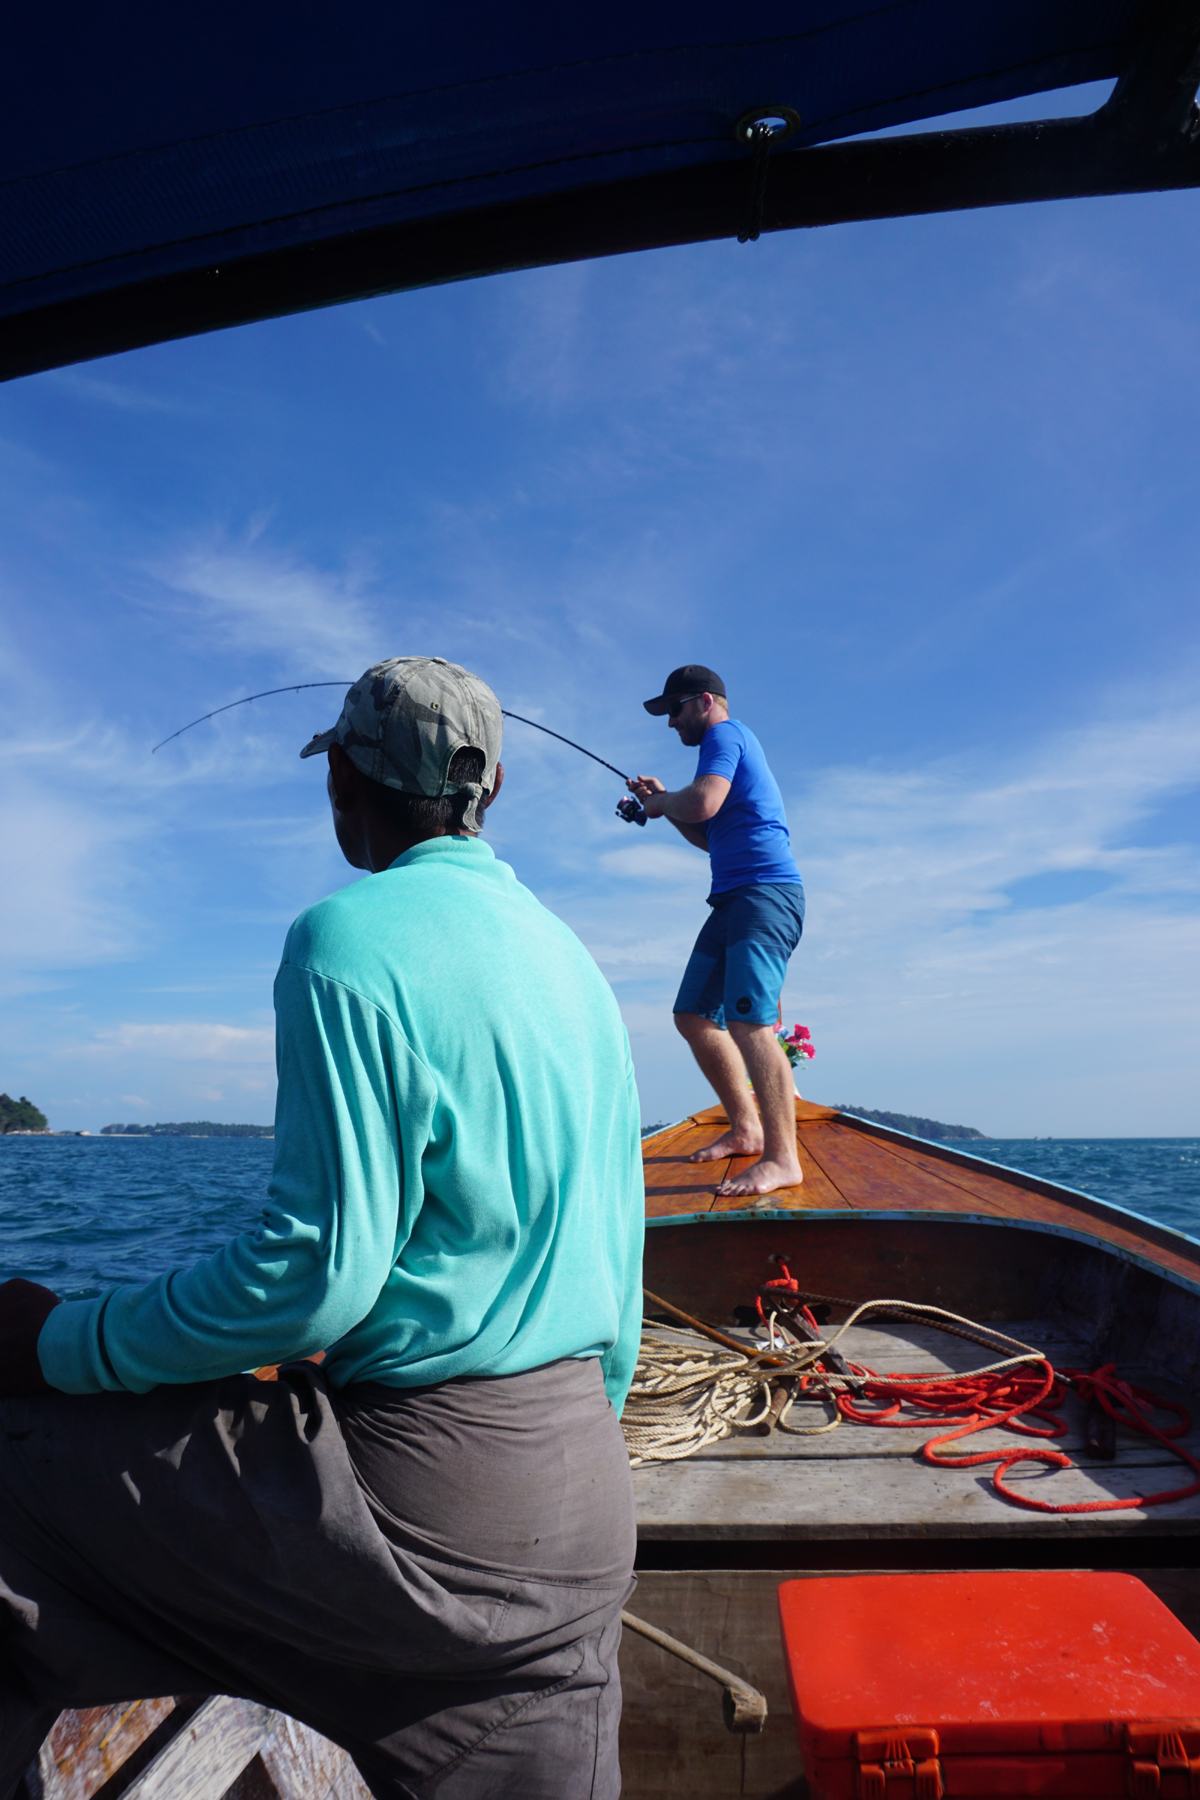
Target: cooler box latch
(1164, 1760)
(885, 1759)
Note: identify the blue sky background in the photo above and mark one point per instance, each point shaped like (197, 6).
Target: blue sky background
(924, 491)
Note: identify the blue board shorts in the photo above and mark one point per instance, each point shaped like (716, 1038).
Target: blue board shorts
(737, 968)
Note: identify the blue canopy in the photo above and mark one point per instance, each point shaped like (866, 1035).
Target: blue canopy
(173, 168)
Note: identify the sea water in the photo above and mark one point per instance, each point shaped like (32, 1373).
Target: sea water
(80, 1214)
(1156, 1177)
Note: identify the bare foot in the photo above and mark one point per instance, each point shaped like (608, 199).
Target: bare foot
(735, 1142)
(762, 1178)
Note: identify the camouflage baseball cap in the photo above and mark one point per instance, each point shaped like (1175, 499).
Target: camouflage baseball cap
(404, 720)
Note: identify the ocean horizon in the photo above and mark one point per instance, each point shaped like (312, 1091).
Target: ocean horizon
(84, 1213)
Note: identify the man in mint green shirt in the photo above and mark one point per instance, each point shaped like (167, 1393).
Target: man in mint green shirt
(455, 1220)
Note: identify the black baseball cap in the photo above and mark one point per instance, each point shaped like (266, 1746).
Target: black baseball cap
(693, 678)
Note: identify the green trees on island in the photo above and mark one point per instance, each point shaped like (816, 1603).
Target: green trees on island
(925, 1128)
(21, 1115)
(194, 1128)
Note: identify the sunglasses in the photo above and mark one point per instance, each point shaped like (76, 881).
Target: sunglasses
(676, 706)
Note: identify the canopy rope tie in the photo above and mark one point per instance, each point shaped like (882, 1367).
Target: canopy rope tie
(760, 141)
(686, 1396)
(760, 130)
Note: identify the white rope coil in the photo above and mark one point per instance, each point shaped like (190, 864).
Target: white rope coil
(688, 1392)
(688, 1395)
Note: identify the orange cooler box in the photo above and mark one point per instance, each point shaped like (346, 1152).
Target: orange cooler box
(910, 1687)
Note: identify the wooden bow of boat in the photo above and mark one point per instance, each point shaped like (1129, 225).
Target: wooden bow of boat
(883, 1215)
(861, 1174)
(880, 1214)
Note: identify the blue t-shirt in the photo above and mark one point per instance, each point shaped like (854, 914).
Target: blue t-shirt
(748, 839)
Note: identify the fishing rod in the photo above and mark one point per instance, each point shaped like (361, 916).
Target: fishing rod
(627, 808)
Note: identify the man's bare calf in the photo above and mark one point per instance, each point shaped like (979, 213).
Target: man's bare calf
(730, 1060)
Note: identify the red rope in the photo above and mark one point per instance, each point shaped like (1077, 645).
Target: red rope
(1007, 1399)
(1129, 1406)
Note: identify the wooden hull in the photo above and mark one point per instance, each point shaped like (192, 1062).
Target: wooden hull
(881, 1215)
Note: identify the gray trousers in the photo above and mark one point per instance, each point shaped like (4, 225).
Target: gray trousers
(217, 1539)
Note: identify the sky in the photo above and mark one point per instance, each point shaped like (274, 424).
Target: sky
(923, 491)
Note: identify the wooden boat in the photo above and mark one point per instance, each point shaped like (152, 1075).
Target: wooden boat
(144, 195)
(879, 1215)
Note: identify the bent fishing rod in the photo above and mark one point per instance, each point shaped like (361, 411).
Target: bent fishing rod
(627, 808)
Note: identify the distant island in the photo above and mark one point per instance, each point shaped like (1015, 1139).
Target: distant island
(21, 1115)
(193, 1128)
(926, 1128)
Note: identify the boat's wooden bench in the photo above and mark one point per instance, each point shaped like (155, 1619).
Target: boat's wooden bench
(202, 1749)
(867, 1481)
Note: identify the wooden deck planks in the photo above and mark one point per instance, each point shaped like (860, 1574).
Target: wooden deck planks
(677, 1186)
(868, 1481)
(869, 1177)
(886, 1498)
(816, 1192)
(674, 1744)
(301, 1765)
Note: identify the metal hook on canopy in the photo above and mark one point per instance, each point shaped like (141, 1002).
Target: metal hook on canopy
(761, 129)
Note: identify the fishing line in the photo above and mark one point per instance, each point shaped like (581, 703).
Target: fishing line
(627, 808)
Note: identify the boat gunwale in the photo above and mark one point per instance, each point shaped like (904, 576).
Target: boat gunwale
(1167, 1237)
(1051, 1190)
(878, 1216)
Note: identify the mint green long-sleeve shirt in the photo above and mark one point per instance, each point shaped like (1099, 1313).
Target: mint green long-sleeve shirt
(457, 1187)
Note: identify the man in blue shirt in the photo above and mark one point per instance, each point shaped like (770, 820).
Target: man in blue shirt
(727, 1007)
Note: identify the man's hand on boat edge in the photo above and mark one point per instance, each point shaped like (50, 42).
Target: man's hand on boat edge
(24, 1308)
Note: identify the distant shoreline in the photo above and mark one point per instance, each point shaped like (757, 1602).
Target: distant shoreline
(256, 1136)
(188, 1128)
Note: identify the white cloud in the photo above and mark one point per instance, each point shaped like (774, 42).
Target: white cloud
(111, 393)
(310, 619)
(926, 989)
(184, 1041)
(64, 900)
(159, 1070)
(654, 862)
